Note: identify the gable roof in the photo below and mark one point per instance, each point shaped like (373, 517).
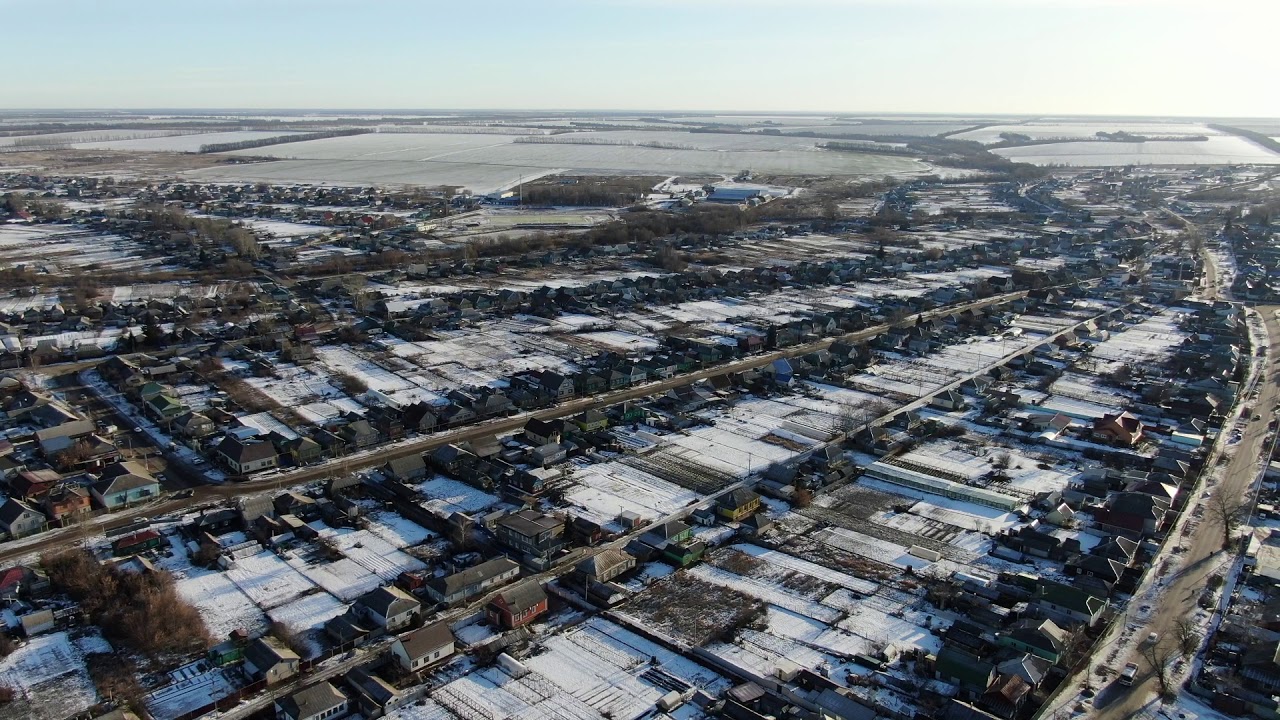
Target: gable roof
(522, 597)
(312, 701)
(266, 652)
(452, 584)
(388, 601)
(123, 483)
(426, 640)
(14, 510)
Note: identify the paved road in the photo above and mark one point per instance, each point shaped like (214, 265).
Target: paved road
(1202, 555)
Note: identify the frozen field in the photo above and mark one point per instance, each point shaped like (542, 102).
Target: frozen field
(1217, 150)
(49, 680)
(186, 143)
(87, 136)
(484, 162)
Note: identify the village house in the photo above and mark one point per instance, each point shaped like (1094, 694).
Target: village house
(124, 483)
(517, 606)
(1041, 638)
(737, 505)
(604, 566)
(1122, 429)
(390, 608)
(246, 456)
(423, 647)
(18, 519)
(472, 581)
(267, 659)
(532, 534)
(318, 702)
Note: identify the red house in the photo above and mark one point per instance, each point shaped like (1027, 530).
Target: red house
(517, 606)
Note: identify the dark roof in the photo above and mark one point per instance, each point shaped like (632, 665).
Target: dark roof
(453, 583)
(967, 668)
(740, 497)
(530, 522)
(543, 428)
(11, 511)
(243, 453)
(426, 640)
(522, 596)
(388, 601)
(604, 561)
(266, 652)
(123, 483)
(311, 701)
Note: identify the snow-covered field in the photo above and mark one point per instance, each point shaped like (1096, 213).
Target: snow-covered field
(485, 162)
(485, 356)
(605, 490)
(58, 247)
(819, 625)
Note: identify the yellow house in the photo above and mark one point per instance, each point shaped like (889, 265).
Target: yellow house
(737, 505)
(592, 420)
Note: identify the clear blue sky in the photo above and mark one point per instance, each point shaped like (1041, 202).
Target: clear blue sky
(1148, 57)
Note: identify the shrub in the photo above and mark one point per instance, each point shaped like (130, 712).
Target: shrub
(141, 611)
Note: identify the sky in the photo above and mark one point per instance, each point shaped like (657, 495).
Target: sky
(1099, 57)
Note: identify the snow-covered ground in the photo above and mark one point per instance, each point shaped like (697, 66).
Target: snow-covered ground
(593, 671)
(49, 679)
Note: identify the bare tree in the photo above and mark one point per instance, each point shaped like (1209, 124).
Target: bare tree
(851, 416)
(1160, 657)
(1226, 508)
(1188, 636)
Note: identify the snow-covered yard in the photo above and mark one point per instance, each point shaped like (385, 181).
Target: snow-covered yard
(49, 679)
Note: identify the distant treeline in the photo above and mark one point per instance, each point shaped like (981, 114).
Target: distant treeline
(279, 140)
(1256, 138)
(1013, 139)
(866, 147)
(455, 130)
(572, 140)
(590, 192)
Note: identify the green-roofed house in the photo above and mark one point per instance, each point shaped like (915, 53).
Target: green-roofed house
(1042, 638)
(971, 673)
(1067, 605)
(165, 408)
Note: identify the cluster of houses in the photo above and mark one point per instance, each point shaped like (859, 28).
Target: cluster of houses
(59, 468)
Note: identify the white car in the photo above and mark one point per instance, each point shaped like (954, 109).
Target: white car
(1153, 638)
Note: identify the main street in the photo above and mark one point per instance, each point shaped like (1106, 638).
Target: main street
(1177, 596)
(1202, 552)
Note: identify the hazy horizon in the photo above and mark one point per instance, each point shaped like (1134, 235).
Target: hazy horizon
(1120, 58)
